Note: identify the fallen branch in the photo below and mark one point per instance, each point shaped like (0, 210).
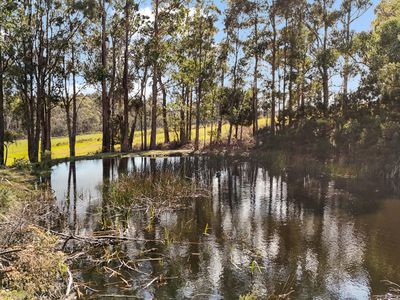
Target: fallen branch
(99, 239)
(10, 251)
(151, 282)
(118, 296)
(70, 283)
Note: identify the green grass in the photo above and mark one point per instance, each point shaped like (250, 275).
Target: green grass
(89, 144)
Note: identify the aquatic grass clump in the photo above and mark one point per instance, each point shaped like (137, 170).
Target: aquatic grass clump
(158, 192)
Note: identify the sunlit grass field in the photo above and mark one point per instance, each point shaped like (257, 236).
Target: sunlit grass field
(88, 144)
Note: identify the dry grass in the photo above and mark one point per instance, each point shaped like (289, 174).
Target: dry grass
(30, 265)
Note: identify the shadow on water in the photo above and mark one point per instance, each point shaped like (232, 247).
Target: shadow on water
(258, 231)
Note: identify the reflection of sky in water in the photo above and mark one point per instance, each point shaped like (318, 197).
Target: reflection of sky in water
(299, 231)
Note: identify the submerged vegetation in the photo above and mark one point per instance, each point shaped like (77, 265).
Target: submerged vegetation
(158, 192)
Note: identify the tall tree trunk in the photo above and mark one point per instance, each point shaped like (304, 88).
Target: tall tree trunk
(290, 105)
(219, 128)
(212, 120)
(236, 132)
(164, 111)
(190, 115)
(31, 102)
(105, 100)
(153, 138)
(111, 94)
(48, 130)
(273, 70)
(141, 132)
(235, 65)
(199, 87)
(48, 119)
(302, 86)
(325, 73)
(284, 78)
(125, 127)
(230, 134)
(198, 102)
(132, 132)
(74, 107)
(1, 111)
(182, 125)
(346, 66)
(144, 123)
(255, 85)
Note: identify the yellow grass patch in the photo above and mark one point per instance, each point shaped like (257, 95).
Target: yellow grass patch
(88, 144)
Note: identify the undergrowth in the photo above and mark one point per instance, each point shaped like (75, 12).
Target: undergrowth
(31, 267)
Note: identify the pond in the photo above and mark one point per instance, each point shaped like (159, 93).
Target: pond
(259, 231)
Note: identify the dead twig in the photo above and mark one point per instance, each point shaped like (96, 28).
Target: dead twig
(70, 283)
(151, 282)
(10, 251)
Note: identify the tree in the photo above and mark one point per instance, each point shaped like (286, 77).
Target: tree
(126, 145)
(204, 31)
(322, 19)
(155, 54)
(351, 11)
(7, 24)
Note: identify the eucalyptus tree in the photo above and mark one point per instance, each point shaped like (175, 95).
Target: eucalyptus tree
(154, 53)
(8, 24)
(97, 68)
(40, 41)
(254, 46)
(105, 96)
(53, 37)
(379, 51)
(322, 21)
(129, 7)
(293, 37)
(23, 76)
(222, 63)
(351, 11)
(183, 74)
(73, 55)
(164, 12)
(204, 31)
(185, 70)
(172, 17)
(234, 25)
(273, 58)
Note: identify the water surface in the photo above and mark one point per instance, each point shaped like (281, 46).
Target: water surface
(259, 231)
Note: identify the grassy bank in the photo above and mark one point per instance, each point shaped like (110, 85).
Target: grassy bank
(90, 144)
(31, 265)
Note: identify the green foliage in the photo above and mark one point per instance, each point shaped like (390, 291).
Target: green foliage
(7, 196)
(22, 164)
(249, 296)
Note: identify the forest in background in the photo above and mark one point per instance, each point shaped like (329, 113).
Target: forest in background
(325, 88)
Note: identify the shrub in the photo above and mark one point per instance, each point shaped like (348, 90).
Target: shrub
(22, 164)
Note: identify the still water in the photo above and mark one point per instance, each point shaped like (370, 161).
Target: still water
(260, 231)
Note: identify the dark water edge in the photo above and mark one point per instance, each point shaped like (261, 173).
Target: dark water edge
(268, 229)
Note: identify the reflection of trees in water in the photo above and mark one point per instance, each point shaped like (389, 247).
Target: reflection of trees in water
(72, 185)
(306, 231)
